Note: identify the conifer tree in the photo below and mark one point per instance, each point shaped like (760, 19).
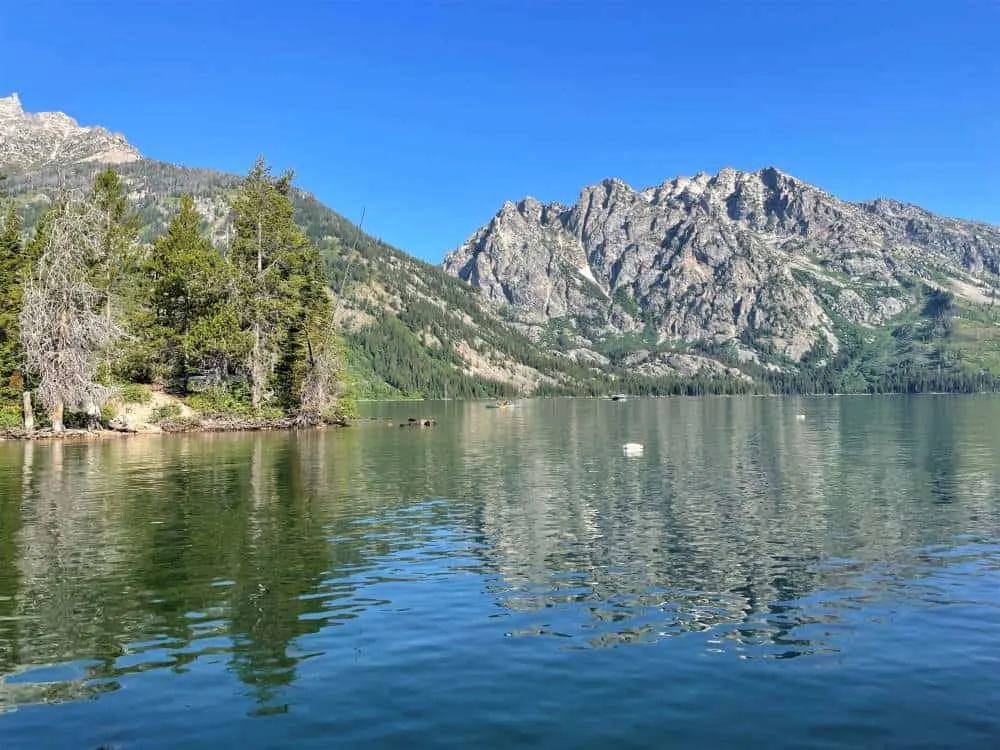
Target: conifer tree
(13, 266)
(284, 303)
(116, 264)
(194, 323)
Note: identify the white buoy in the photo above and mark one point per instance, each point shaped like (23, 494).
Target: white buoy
(632, 449)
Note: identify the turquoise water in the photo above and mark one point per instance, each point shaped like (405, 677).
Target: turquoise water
(510, 579)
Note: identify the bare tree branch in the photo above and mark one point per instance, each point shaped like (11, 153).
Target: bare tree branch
(63, 329)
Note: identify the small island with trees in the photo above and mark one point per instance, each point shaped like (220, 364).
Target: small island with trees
(190, 335)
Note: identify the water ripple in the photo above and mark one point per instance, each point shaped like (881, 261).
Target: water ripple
(510, 580)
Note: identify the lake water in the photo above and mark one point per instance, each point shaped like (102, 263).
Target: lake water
(510, 579)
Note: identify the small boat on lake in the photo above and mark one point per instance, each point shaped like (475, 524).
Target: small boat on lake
(618, 397)
(503, 403)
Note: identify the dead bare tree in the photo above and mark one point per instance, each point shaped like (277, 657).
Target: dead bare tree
(64, 331)
(324, 383)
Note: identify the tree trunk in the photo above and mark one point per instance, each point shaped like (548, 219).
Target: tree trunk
(107, 319)
(29, 411)
(93, 416)
(256, 366)
(56, 415)
(260, 245)
(256, 381)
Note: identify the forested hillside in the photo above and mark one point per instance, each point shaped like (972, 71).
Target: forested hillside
(90, 311)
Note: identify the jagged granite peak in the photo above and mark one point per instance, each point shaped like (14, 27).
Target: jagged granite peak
(760, 259)
(10, 106)
(35, 140)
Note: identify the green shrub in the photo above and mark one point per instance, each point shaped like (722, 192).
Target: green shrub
(10, 415)
(78, 420)
(166, 411)
(136, 393)
(231, 400)
(108, 412)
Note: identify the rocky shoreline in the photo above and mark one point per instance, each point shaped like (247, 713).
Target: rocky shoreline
(174, 427)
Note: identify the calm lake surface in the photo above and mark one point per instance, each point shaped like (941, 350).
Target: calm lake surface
(510, 579)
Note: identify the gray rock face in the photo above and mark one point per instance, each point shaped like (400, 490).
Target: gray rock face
(759, 257)
(30, 141)
(525, 258)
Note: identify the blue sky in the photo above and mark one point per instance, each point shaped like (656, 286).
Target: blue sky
(431, 114)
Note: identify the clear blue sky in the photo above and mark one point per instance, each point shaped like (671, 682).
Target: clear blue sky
(432, 114)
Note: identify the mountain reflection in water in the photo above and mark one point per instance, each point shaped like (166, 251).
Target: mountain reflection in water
(228, 564)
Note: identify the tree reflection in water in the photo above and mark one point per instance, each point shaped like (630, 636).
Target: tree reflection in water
(741, 527)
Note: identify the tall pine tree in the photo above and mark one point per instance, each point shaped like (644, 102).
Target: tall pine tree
(14, 264)
(194, 324)
(284, 303)
(115, 267)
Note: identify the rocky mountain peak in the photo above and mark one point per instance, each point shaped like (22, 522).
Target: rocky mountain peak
(34, 140)
(10, 106)
(722, 258)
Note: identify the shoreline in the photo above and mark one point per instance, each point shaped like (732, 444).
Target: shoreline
(184, 425)
(172, 427)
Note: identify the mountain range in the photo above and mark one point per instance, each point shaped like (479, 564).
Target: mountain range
(734, 282)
